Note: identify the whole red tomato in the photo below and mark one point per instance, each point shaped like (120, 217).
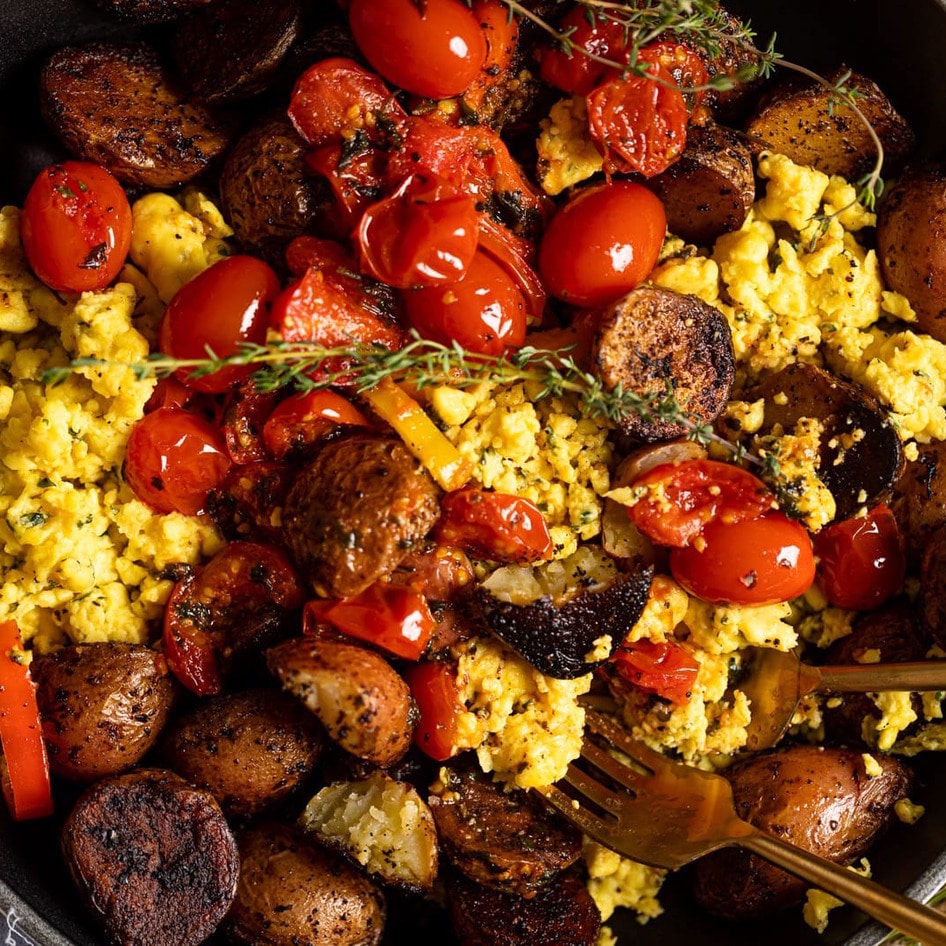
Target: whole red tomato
(484, 312)
(76, 226)
(173, 459)
(220, 309)
(861, 561)
(602, 243)
(752, 561)
(435, 48)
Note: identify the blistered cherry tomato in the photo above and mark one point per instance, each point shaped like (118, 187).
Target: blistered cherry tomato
(485, 311)
(435, 48)
(173, 459)
(76, 226)
(861, 561)
(602, 243)
(435, 691)
(639, 122)
(497, 526)
(574, 71)
(753, 561)
(424, 234)
(392, 617)
(207, 609)
(223, 307)
(678, 499)
(304, 419)
(666, 669)
(244, 417)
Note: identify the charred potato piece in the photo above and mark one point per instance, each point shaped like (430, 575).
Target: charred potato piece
(154, 858)
(251, 749)
(380, 823)
(710, 189)
(813, 125)
(506, 840)
(819, 799)
(291, 892)
(652, 338)
(893, 636)
(919, 498)
(117, 105)
(911, 244)
(150, 11)
(103, 706)
(229, 50)
(861, 454)
(266, 193)
(356, 511)
(562, 913)
(568, 618)
(362, 701)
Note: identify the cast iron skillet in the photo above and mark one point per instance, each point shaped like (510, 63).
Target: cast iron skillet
(901, 45)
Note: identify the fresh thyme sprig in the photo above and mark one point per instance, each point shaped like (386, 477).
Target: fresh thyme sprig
(307, 366)
(705, 25)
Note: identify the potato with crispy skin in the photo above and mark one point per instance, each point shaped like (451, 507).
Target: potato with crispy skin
(293, 892)
(823, 800)
(103, 706)
(362, 701)
(251, 749)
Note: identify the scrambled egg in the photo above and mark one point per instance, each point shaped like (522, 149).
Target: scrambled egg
(540, 450)
(82, 558)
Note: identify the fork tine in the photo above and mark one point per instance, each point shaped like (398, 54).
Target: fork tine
(618, 736)
(615, 769)
(584, 818)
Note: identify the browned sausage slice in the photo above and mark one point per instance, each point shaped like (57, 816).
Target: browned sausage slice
(154, 858)
(117, 105)
(230, 49)
(356, 511)
(561, 914)
(505, 840)
(653, 338)
(710, 189)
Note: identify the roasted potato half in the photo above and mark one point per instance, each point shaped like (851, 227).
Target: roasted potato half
(822, 800)
(380, 823)
(103, 706)
(292, 891)
(362, 701)
(250, 749)
(564, 618)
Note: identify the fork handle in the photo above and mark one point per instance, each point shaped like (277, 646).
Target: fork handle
(914, 919)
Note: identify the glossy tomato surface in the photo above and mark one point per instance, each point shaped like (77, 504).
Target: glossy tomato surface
(76, 226)
(753, 561)
(220, 309)
(602, 243)
(435, 48)
(174, 458)
(303, 419)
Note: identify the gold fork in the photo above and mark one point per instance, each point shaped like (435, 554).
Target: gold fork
(670, 814)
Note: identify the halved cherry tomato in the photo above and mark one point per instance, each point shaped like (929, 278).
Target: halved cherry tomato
(679, 499)
(244, 417)
(27, 786)
(223, 307)
(392, 617)
(434, 688)
(248, 503)
(602, 243)
(497, 526)
(861, 561)
(484, 312)
(435, 48)
(239, 584)
(667, 669)
(424, 234)
(751, 561)
(685, 65)
(173, 459)
(76, 226)
(639, 122)
(336, 97)
(306, 418)
(574, 71)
